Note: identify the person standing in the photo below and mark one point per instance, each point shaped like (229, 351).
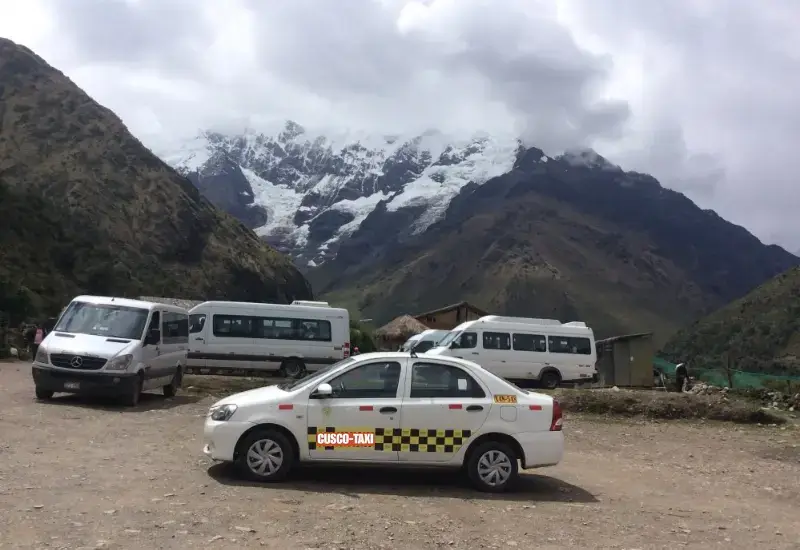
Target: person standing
(37, 339)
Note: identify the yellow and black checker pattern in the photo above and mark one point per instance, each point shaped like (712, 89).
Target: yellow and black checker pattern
(410, 440)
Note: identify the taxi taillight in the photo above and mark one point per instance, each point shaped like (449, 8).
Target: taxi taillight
(557, 420)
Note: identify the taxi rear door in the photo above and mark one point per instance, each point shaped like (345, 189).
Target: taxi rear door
(443, 407)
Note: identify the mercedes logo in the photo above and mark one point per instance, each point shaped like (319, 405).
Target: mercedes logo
(76, 362)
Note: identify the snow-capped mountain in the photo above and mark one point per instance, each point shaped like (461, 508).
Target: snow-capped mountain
(305, 193)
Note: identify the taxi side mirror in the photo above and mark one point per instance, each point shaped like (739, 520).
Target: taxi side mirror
(322, 391)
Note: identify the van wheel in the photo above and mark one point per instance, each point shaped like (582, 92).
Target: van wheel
(265, 455)
(550, 380)
(492, 467)
(132, 399)
(43, 394)
(172, 388)
(293, 369)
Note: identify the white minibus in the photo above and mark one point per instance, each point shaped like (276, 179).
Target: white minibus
(519, 348)
(247, 336)
(104, 345)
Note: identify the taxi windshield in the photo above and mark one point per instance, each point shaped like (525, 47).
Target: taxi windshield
(321, 373)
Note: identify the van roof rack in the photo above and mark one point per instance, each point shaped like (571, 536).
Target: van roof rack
(310, 303)
(520, 320)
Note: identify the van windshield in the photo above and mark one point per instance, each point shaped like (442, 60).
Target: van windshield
(307, 379)
(452, 335)
(409, 343)
(111, 321)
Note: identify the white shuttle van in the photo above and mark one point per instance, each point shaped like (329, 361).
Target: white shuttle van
(425, 340)
(249, 336)
(519, 348)
(113, 346)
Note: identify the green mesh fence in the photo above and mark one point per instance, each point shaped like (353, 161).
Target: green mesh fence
(741, 379)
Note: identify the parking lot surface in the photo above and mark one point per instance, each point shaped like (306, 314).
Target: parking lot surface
(83, 473)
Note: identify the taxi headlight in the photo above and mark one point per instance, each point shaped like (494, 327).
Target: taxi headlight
(120, 363)
(222, 413)
(41, 356)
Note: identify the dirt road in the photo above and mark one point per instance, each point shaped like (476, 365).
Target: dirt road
(76, 473)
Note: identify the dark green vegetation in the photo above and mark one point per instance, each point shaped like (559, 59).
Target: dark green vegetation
(86, 208)
(556, 239)
(757, 333)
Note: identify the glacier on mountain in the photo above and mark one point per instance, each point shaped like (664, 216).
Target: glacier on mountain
(315, 190)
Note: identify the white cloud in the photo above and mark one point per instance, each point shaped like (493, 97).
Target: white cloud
(701, 94)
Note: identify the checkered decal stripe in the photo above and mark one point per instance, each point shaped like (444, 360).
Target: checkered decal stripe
(407, 440)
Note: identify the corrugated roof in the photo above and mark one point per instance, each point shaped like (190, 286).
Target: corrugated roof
(625, 337)
(451, 307)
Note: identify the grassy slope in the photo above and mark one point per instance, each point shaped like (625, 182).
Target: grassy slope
(760, 331)
(87, 208)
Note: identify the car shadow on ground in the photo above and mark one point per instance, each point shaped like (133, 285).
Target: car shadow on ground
(147, 402)
(436, 483)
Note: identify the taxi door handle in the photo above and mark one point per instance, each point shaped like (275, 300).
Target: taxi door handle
(387, 410)
(473, 408)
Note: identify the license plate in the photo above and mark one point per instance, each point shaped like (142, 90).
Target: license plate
(71, 385)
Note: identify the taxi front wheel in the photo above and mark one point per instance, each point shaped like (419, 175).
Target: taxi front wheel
(265, 455)
(492, 467)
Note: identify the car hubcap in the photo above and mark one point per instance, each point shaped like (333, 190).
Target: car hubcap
(264, 457)
(494, 468)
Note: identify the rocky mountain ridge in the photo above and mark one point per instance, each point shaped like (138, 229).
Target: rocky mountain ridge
(88, 209)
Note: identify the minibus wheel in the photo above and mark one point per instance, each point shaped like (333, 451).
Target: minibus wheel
(293, 368)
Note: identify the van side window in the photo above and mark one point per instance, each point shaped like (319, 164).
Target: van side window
(175, 328)
(467, 340)
(430, 380)
(233, 326)
(197, 322)
(570, 344)
(496, 340)
(371, 381)
(278, 328)
(530, 342)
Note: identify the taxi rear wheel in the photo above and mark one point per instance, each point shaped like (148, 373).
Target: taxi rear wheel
(492, 467)
(265, 455)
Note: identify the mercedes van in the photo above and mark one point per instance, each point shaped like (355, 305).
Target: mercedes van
(116, 346)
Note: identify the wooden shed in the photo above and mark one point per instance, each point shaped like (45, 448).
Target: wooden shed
(627, 360)
(395, 333)
(449, 317)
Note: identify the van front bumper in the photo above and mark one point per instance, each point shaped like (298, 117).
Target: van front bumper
(62, 380)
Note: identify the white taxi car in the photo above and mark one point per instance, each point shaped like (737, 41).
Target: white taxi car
(392, 409)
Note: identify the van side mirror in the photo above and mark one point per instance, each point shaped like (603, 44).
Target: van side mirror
(153, 337)
(454, 345)
(322, 391)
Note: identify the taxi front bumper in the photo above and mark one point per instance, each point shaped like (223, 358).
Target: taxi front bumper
(541, 448)
(220, 438)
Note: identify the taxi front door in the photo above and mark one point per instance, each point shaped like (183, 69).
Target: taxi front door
(443, 408)
(366, 400)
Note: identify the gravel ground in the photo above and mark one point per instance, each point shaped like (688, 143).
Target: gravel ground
(78, 473)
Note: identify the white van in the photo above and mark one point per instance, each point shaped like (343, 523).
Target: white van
(245, 336)
(520, 348)
(425, 340)
(113, 346)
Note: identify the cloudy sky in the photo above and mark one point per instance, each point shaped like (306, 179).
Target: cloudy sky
(702, 94)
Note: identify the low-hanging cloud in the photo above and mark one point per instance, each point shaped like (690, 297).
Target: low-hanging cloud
(700, 94)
